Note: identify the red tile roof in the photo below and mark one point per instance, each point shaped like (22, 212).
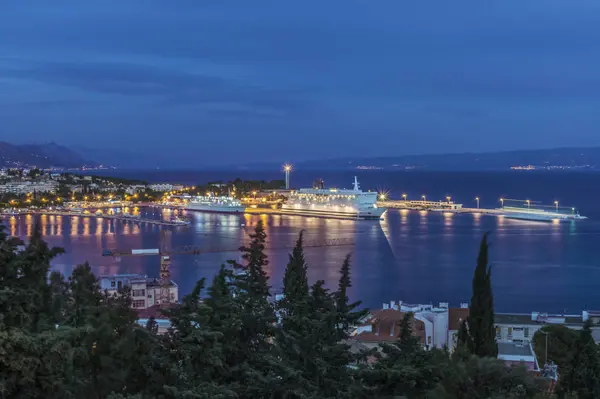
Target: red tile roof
(456, 316)
(385, 327)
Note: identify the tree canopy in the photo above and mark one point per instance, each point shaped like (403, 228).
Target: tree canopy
(66, 338)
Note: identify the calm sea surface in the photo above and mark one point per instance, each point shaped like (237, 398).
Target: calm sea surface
(411, 256)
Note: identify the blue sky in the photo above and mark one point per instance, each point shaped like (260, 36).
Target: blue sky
(211, 82)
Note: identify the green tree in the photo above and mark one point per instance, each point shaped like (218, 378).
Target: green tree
(583, 376)
(347, 313)
(405, 368)
(486, 378)
(196, 350)
(250, 287)
(295, 282)
(562, 343)
(482, 330)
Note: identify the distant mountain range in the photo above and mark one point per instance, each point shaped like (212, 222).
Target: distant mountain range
(554, 159)
(42, 156)
(55, 155)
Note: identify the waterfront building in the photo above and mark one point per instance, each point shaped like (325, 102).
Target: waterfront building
(430, 324)
(438, 326)
(24, 187)
(165, 187)
(133, 189)
(145, 291)
(520, 328)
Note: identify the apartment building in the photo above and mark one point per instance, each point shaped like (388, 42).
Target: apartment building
(145, 291)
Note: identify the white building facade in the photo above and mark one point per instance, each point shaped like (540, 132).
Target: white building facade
(145, 291)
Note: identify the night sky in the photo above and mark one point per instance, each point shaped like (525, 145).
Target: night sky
(205, 82)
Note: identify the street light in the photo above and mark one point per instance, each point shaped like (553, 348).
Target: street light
(556, 203)
(287, 168)
(382, 197)
(528, 204)
(404, 196)
(502, 202)
(422, 196)
(477, 199)
(448, 199)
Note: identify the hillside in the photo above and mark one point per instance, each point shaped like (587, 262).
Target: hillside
(552, 159)
(42, 156)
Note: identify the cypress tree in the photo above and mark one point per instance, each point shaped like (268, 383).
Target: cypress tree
(482, 330)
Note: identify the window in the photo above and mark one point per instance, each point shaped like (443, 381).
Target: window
(112, 284)
(119, 284)
(429, 340)
(510, 332)
(138, 293)
(139, 303)
(498, 331)
(526, 332)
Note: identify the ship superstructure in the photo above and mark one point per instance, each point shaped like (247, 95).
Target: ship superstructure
(333, 203)
(219, 204)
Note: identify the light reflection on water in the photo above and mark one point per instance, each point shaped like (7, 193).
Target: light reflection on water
(414, 256)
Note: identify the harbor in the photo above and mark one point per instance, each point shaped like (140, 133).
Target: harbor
(118, 217)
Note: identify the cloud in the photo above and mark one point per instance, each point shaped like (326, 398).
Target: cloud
(168, 86)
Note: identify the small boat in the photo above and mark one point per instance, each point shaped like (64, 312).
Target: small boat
(181, 221)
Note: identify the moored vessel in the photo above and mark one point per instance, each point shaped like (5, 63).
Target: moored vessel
(214, 204)
(333, 203)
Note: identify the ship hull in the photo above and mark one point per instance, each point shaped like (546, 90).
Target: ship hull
(215, 208)
(369, 214)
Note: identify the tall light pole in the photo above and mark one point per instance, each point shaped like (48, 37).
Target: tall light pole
(422, 196)
(556, 203)
(502, 202)
(477, 199)
(546, 355)
(287, 168)
(528, 204)
(448, 199)
(404, 196)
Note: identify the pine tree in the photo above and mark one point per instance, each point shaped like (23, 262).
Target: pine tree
(26, 296)
(347, 314)
(257, 318)
(195, 350)
(295, 281)
(481, 325)
(405, 367)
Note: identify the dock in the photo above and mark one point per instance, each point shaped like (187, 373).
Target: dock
(154, 222)
(421, 205)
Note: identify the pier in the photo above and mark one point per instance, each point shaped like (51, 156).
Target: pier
(421, 205)
(154, 222)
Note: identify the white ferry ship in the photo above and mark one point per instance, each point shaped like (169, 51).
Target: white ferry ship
(214, 204)
(333, 203)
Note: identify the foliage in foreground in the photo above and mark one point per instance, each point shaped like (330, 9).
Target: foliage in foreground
(64, 338)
